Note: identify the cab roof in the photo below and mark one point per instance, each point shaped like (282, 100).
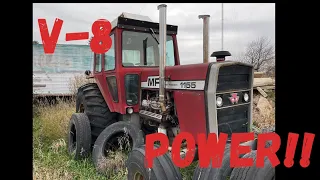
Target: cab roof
(139, 22)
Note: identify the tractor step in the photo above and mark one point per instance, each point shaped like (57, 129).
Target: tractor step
(150, 115)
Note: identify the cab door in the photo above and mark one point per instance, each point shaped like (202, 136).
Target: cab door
(105, 75)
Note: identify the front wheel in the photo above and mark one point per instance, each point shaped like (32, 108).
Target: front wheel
(119, 137)
(79, 136)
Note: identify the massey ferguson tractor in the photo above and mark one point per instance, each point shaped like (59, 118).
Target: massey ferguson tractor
(140, 88)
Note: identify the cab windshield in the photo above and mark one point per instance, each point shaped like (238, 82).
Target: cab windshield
(142, 49)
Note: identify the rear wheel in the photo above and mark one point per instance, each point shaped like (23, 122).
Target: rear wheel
(215, 173)
(255, 173)
(265, 173)
(225, 170)
(242, 172)
(90, 101)
(205, 173)
(162, 168)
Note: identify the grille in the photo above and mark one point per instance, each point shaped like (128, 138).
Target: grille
(233, 119)
(234, 77)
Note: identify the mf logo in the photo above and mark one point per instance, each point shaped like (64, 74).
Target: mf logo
(234, 98)
(153, 81)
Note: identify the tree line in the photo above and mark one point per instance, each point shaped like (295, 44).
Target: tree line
(261, 54)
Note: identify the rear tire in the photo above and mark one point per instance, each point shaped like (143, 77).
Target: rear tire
(205, 173)
(265, 173)
(254, 173)
(242, 172)
(215, 173)
(225, 170)
(90, 101)
(79, 136)
(162, 168)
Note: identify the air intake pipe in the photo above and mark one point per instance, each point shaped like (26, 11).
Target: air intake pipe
(206, 38)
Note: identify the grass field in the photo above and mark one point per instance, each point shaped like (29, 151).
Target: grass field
(50, 157)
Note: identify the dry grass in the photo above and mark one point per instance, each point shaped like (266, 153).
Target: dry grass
(264, 122)
(78, 81)
(52, 174)
(54, 119)
(50, 157)
(46, 173)
(115, 162)
(51, 161)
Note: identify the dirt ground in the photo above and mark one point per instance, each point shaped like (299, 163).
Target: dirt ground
(264, 111)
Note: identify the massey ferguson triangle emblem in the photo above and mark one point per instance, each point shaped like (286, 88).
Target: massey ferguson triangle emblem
(234, 98)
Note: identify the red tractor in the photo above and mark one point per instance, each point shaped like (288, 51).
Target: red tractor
(141, 88)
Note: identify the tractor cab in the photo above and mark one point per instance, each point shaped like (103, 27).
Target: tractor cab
(135, 48)
(140, 78)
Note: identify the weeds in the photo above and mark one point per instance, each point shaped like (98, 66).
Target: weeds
(50, 155)
(54, 119)
(115, 162)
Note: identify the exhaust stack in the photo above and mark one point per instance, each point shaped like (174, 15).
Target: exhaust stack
(163, 34)
(205, 37)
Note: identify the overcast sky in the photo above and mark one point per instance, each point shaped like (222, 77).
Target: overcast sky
(242, 23)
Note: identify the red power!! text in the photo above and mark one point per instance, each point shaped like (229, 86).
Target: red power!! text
(212, 148)
(100, 42)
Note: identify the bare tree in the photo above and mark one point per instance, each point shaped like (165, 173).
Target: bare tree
(270, 68)
(260, 53)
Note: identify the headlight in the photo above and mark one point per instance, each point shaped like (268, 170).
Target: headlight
(219, 101)
(130, 110)
(246, 97)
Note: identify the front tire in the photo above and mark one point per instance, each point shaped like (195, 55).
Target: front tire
(79, 136)
(108, 141)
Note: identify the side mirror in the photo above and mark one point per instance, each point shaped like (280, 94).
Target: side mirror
(87, 72)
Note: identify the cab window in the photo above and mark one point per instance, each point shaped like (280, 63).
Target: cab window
(98, 62)
(109, 58)
(142, 49)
